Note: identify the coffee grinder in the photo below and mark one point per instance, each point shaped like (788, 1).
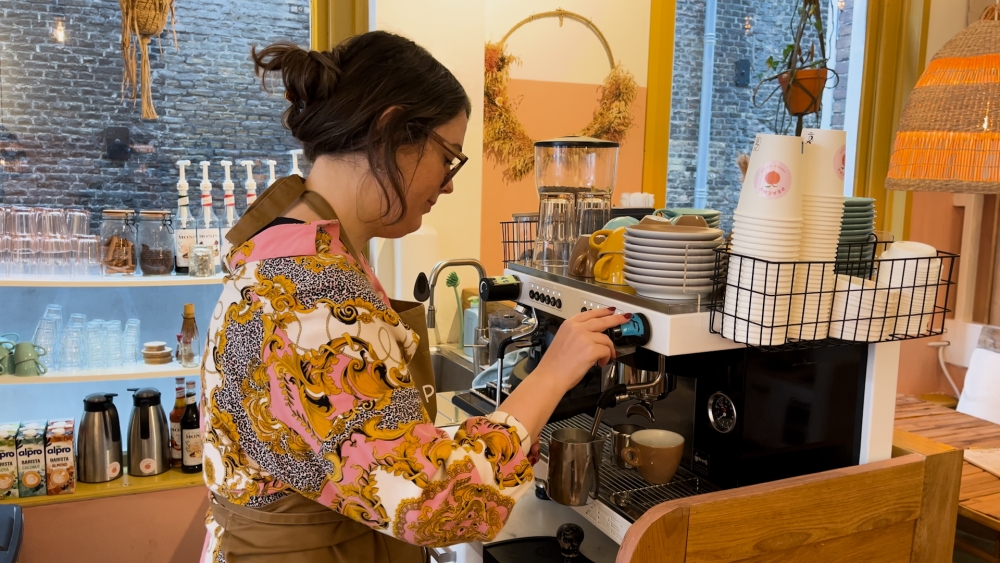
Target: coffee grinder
(575, 178)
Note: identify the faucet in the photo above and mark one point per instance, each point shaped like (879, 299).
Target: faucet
(479, 350)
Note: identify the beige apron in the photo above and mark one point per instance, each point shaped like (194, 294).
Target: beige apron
(296, 529)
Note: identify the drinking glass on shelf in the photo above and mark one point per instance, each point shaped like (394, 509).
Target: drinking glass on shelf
(72, 355)
(77, 320)
(95, 344)
(113, 344)
(77, 222)
(130, 342)
(23, 220)
(54, 259)
(22, 256)
(4, 255)
(45, 337)
(55, 313)
(52, 223)
(86, 256)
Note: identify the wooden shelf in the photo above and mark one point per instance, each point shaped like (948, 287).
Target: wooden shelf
(132, 371)
(124, 485)
(108, 281)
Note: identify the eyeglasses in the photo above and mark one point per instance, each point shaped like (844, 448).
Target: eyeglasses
(458, 161)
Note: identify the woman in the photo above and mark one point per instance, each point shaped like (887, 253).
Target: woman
(318, 445)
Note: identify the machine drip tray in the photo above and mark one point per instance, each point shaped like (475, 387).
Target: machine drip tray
(623, 490)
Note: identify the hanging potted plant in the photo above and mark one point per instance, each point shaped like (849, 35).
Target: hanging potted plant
(801, 71)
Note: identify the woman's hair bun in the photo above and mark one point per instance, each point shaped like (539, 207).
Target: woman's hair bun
(339, 98)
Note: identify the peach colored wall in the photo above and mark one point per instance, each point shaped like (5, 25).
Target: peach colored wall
(547, 110)
(934, 221)
(163, 527)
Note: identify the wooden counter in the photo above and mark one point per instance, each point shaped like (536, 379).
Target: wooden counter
(124, 485)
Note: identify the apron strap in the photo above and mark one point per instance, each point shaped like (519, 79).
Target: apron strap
(321, 207)
(268, 207)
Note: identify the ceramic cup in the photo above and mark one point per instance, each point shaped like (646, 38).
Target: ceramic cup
(6, 357)
(583, 258)
(619, 222)
(610, 268)
(29, 368)
(655, 453)
(614, 241)
(24, 351)
(621, 435)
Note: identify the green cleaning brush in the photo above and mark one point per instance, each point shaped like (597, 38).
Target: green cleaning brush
(452, 282)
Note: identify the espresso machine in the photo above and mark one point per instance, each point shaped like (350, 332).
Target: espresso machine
(747, 415)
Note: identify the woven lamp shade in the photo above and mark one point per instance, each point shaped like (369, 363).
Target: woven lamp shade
(948, 138)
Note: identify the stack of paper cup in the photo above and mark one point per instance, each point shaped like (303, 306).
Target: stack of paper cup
(861, 308)
(915, 270)
(824, 158)
(767, 230)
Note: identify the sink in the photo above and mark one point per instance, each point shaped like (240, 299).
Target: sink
(452, 370)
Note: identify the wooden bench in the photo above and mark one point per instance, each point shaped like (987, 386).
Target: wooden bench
(898, 510)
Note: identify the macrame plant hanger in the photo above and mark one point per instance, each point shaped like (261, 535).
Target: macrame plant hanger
(141, 21)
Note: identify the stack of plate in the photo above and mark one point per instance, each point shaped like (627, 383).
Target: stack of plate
(915, 270)
(157, 353)
(665, 261)
(711, 216)
(856, 229)
(860, 309)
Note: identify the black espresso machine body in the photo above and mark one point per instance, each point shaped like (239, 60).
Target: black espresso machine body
(747, 415)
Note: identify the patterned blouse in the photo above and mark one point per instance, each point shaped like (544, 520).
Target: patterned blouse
(306, 391)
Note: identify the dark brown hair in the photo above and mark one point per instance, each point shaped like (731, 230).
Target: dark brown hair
(339, 97)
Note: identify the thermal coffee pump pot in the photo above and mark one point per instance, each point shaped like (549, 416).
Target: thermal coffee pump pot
(99, 441)
(148, 434)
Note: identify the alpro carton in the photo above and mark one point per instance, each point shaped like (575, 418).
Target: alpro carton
(31, 459)
(60, 466)
(8, 460)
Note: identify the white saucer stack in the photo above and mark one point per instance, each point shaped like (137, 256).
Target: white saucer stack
(767, 230)
(822, 212)
(665, 261)
(915, 270)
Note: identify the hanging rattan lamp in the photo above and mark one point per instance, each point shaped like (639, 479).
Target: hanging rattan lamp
(948, 138)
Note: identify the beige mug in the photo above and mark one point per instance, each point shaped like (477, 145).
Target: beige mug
(655, 453)
(583, 258)
(610, 268)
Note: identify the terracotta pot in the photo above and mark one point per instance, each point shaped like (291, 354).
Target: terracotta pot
(803, 96)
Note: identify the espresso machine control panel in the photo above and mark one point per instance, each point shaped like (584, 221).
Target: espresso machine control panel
(678, 327)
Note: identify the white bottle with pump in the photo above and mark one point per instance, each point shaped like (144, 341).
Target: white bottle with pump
(185, 233)
(208, 226)
(250, 185)
(229, 200)
(270, 179)
(295, 171)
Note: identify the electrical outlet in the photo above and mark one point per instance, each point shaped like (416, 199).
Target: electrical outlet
(297, 9)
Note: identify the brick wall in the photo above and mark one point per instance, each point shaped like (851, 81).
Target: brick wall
(845, 19)
(735, 120)
(56, 100)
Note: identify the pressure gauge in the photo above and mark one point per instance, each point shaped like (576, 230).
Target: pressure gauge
(722, 413)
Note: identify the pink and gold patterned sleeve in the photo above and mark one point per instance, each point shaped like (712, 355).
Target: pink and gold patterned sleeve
(307, 390)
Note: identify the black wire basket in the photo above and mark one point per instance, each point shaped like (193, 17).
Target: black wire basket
(518, 240)
(860, 297)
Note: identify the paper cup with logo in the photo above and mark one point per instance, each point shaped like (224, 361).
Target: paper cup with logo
(772, 188)
(825, 158)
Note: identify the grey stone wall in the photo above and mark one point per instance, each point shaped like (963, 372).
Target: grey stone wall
(735, 119)
(842, 64)
(56, 100)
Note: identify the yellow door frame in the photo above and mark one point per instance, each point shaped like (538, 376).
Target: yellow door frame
(659, 87)
(895, 51)
(332, 21)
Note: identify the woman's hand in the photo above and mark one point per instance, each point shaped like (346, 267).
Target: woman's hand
(579, 345)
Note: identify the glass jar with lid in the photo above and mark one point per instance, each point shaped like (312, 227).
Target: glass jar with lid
(156, 242)
(118, 234)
